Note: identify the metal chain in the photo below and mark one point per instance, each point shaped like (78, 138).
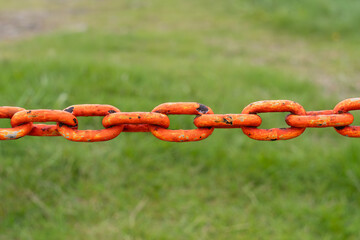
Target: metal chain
(157, 121)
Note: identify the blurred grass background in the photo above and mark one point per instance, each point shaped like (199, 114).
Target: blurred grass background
(137, 54)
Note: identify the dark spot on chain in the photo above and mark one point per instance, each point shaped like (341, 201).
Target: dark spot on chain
(340, 128)
(202, 109)
(139, 117)
(273, 139)
(63, 124)
(75, 121)
(228, 121)
(69, 109)
(28, 112)
(111, 111)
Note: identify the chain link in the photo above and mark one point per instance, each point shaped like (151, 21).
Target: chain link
(320, 119)
(344, 107)
(157, 122)
(16, 131)
(188, 108)
(273, 134)
(89, 110)
(43, 115)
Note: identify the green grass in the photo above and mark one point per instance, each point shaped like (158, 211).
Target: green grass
(324, 18)
(136, 55)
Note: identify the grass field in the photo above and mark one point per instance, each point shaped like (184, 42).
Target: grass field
(138, 54)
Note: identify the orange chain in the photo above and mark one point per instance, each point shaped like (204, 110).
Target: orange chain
(157, 121)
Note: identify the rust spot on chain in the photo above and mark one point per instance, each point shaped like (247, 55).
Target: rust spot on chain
(228, 120)
(69, 109)
(202, 109)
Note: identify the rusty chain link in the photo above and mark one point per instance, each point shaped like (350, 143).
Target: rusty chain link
(157, 121)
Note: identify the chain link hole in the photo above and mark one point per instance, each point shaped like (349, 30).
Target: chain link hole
(356, 114)
(46, 123)
(5, 123)
(273, 120)
(90, 123)
(182, 122)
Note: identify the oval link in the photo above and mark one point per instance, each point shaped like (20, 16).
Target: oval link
(87, 110)
(343, 107)
(180, 135)
(43, 115)
(136, 121)
(227, 120)
(273, 134)
(320, 119)
(14, 132)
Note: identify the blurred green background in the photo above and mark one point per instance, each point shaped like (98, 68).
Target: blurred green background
(137, 54)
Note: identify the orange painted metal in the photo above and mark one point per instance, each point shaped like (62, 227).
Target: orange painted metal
(136, 121)
(344, 107)
(136, 128)
(157, 121)
(8, 112)
(87, 110)
(44, 130)
(43, 115)
(227, 120)
(14, 132)
(320, 119)
(188, 108)
(273, 134)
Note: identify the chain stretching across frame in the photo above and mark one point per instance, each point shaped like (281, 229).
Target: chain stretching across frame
(157, 121)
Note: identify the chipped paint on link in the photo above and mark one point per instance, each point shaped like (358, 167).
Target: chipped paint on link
(14, 133)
